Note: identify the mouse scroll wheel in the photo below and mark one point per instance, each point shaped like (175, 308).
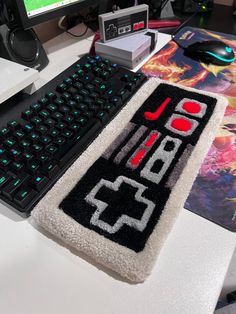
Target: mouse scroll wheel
(228, 49)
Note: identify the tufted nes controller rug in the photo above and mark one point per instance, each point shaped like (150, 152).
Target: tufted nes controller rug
(119, 200)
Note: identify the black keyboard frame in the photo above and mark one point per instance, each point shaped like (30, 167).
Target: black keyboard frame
(12, 109)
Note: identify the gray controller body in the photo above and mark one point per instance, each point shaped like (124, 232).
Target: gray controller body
(123, 22)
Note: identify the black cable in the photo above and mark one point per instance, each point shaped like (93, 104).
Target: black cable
(164, 3)
(181, 26)
(90, 17)
(6, 15)
(198, 7)
(77, 36)
(2, 13)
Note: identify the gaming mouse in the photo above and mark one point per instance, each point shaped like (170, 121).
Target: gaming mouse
(212, 51)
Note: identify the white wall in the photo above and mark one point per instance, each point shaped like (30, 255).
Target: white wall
(47, 30)
(225, 2)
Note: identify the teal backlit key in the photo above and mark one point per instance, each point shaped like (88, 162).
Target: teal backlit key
(24, 196)
(11, 188)
(50, 128)
(4, 179)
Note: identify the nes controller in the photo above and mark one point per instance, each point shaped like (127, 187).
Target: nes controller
(117, 24)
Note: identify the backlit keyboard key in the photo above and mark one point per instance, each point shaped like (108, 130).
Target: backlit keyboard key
(24, 196)
(41, 140)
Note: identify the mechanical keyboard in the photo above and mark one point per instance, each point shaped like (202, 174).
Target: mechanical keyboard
(41, 135)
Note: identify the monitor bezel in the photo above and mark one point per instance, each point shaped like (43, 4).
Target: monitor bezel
(19, 9)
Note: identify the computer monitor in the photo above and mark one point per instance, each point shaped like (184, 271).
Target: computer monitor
(32, 12)
(18, 41)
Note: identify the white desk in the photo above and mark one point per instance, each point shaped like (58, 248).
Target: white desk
(38, 275)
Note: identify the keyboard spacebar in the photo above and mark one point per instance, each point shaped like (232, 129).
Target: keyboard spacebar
(81, 139)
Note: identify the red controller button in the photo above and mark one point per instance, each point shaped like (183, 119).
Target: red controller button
(192, 107)
(138, 157)
(181, 125)
(136, 26)
(141, 24)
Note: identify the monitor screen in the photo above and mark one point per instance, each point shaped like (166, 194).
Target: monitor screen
(36, 7)
(29, 13)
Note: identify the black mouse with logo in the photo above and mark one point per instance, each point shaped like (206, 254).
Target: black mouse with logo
(211, 51)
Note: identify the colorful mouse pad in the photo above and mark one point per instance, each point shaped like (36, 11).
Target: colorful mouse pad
(213, 195)
(120, 199)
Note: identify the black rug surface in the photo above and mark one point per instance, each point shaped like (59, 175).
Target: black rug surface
(124, 193)
(119, 201)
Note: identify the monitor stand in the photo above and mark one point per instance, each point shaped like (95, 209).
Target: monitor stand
(14, 78)
(23, 47)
